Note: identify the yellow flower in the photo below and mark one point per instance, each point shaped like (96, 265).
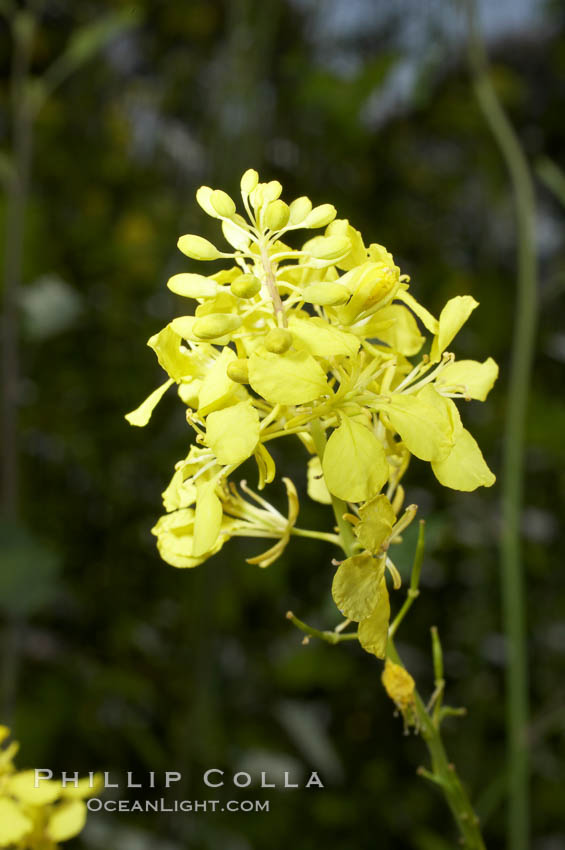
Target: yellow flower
(400, 687)
(37, 816)
(325, 337)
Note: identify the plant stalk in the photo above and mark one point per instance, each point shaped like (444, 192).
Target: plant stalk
(443, 772)
(514, 442)
(17, 190)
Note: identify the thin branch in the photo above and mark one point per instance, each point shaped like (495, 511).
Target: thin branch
(328, 636)
(514, 442)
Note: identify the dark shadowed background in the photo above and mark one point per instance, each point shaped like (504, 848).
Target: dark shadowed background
(110, 658)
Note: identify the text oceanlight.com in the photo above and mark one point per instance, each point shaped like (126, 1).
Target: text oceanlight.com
(212, 778)
(95, 804)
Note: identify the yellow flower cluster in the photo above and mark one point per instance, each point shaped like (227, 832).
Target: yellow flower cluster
(316, 340)
(37, 818)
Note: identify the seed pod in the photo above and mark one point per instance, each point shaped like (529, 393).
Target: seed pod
(278, 340)
(276, 215)
(215, 325)
(198, 248)
(238, 370)
(245, 286)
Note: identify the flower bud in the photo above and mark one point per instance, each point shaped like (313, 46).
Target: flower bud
(276, 215)
(198, 248)
(238, 370)
(328, 247)
(300, 209)
(371, 284)
(398, 684)
(257, 196)
(183, 325)
(215, 325)
(272, 191)
(278, 340)
(192, 285)
(249, 181)
(320, 216)
(245, 286)
(222, 203)
(204, 200)
(326, 294)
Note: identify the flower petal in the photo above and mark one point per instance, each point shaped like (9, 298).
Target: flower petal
(373, 631)
(290, 378)
(233, 433)
(451, 320)
(377, 519)
(464, 468)
(142, 414)
(356, 585)
(472, 378)
(66, 821)
(14, 824)
(354, 462)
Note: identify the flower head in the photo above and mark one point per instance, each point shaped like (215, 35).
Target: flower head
(291, 336)
(37, 816)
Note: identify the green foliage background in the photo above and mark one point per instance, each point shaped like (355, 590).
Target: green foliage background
(113, 660)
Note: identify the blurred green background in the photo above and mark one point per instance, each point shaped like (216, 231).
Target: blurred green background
(112, 659)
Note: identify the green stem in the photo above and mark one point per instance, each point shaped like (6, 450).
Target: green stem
(316, 535)
(552, 176)
(413, 590)
(17, 191)
(512, 570)
(329, 637)
(443, 772)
